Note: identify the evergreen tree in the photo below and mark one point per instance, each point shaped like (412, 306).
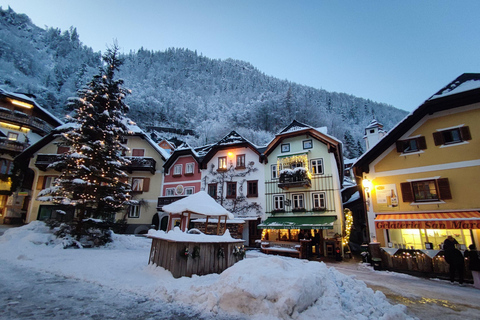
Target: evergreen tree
(92, 178)
(359, 149)
(349, 145)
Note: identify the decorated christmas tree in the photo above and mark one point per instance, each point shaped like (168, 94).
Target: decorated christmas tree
(92, 178)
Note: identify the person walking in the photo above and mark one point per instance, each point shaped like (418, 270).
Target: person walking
(454, 258)
(474, 264)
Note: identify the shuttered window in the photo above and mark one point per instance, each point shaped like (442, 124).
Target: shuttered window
(426, 190)
(452, 136)
(411, 145)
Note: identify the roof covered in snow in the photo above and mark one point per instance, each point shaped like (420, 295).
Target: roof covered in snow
(199, 203)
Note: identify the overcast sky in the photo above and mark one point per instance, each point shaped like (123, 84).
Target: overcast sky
(397, 52)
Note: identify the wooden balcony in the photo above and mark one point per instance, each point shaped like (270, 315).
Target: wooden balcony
(23, 119)
(140, 164)
(44, 160)
(14, 146)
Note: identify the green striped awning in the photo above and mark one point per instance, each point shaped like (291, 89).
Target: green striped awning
(309, 222)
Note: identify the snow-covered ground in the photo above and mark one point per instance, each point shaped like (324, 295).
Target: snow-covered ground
(258, 287)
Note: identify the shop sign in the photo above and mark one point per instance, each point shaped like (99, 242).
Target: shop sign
(441, 224)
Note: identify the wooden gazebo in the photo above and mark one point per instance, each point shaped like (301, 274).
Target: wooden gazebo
(198, 205)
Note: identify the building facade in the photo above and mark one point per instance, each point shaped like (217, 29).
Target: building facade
(22, 123)
(303, 182)
(420, 181)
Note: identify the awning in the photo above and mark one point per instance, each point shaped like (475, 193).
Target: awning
(310, 222)
(431, 220)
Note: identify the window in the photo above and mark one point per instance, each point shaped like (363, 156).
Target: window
(177, 170)
(317, 166)
(12, 136)
(170, 192)
(222, 163)
(252, 188)
(241, 161)
(318, 201)
(298, 202)
(411, 145)
(452, 136)
(62, 149)
(140, 184)
(6, 166)
(134, 211)
(189, 167)
(286, 147)
(275, 171)
(212, 190)
(231, 190)
(138, 152)
(307, 144)
(189, 190)
(426, 190)
(279, 202)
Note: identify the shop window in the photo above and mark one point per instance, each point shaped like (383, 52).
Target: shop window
(318, 201)
(411, 145)
(140, 184)
(231, 190)
(252, 188)
(426, 190)
(240, 161)
(138, 152)
(134, 211)
(452, 136)
(212, 190)
(317, 166)
(222, 163)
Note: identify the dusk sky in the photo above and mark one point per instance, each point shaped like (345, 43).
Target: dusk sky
(396, 52)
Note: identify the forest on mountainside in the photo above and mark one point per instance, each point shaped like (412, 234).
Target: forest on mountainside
(180, 88)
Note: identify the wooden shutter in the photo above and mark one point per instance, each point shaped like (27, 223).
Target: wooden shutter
(444, 192)
(40, 182)
(438, 138)
(421, 143)
(146, 184)
(465, 133)
(407, 192)
(138, 152)
(400, 145)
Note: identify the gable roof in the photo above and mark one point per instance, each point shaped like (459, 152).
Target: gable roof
(182, 150)
(296, 128)
(462, 91)
(231, 140)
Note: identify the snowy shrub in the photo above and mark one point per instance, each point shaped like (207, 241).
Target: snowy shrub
(88, 234)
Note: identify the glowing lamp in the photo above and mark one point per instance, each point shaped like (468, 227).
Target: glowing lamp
(367, 184)
(230, 154)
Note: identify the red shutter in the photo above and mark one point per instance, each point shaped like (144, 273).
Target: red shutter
(438, 138)
(465, 132)
(146, 184)
(399, 146)
(421, 143)
(407, 192)
(62, 149)
(444, 192)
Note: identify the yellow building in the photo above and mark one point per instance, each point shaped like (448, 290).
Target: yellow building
(22, 123)
(421, 180)
(145, 176)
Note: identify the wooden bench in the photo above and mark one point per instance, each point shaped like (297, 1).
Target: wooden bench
(282, 248)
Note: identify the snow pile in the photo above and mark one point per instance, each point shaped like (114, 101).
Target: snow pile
(285, 288)
(178, 235)
(262, 287)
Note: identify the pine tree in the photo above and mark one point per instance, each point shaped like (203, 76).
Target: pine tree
(349, 145)
(92, 178)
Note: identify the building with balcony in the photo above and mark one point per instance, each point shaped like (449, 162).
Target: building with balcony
(145, 175)
(22, 123)
(420, 181)
(303, 181)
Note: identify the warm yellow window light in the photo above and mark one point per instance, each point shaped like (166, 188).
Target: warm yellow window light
(21, 103)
